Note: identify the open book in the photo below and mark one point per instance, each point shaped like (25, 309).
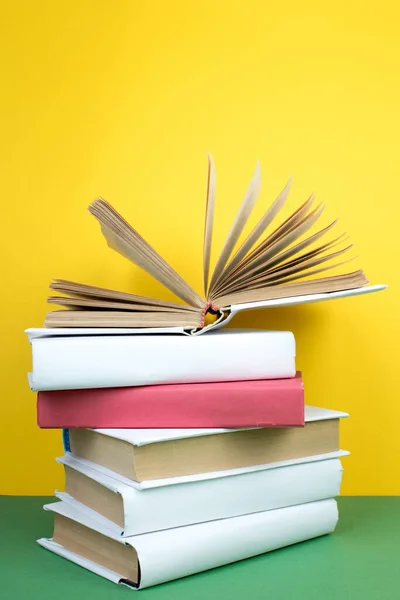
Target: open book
(283, 268)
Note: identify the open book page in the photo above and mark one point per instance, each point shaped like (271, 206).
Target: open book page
(280, 232)
(238, 224)
(124, 239)
(278, 263)
(288, 225)
(279, 260)
(265, 282)
(321, 285)
(91, 306)
(296, 269)
(92, 294)
(281, 257)
(255, 234)
(209, 221)
(83, 303)
(120, 318)
(274, 245)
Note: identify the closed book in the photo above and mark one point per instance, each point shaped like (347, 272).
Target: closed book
(147, 454)
(145, 560)
(78, 362)
(127, 508)
(230, 404)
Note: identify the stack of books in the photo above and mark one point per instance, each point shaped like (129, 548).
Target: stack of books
(248, 468)
(185, 451)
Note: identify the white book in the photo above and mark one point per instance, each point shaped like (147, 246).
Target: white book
(127, 509)
(77, 362)
(142, 561)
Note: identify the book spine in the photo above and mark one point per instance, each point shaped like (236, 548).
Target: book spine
(211, 308)
(66, 441)
(269, 403)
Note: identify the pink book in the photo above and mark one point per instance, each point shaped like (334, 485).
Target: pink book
(231, 405)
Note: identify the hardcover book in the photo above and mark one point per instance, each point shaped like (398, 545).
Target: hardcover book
(149, 559)
(282, 266)
(256, 403)
(127, 508)
(151, 454)
(94, 361)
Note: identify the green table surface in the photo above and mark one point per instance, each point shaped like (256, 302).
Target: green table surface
(359, 560)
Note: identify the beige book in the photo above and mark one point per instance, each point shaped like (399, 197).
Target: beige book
(205, 453)
(272, 264)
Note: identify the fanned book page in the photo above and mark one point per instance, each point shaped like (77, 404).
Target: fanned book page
(283, 264)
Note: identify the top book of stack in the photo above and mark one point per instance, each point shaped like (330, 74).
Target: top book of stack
(278, 270)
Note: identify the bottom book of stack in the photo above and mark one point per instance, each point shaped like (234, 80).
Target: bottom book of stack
(148, 531)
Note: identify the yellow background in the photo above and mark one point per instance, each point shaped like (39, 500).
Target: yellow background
(123, 99)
